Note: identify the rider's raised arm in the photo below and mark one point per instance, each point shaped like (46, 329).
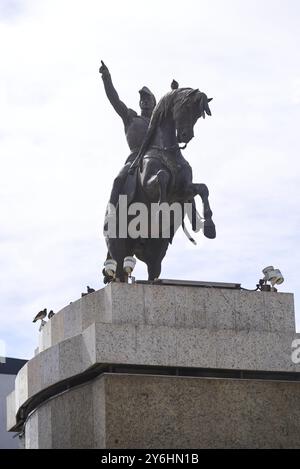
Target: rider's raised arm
(112, 95)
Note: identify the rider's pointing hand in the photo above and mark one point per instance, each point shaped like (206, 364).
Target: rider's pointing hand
(103, 69)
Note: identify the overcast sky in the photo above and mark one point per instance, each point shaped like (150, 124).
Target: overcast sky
(61, 143)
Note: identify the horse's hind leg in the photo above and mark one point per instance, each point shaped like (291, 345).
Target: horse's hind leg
(154, 270)
(209, 226)
(158, 251)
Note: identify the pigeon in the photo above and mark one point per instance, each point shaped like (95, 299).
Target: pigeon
(41, 315)
(50, 314)
(90, 290)
(174, 85)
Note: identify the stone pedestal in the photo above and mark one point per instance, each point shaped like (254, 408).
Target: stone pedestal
(152, 366)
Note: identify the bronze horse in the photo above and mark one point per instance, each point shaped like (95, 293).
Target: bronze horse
(160, 174)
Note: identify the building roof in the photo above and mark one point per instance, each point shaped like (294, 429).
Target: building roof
(11, 366)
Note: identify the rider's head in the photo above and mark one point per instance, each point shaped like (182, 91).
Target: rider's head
(147, 101)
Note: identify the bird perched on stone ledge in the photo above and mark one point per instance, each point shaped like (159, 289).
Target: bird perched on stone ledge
(41, 315)
(50, 314)
(89, 290)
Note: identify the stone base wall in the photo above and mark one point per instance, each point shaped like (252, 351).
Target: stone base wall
(167, 327)
(141, 411)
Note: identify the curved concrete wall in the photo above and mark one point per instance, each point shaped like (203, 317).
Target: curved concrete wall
(127, 411)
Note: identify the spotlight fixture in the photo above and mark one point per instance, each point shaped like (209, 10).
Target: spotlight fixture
(110, 267)
(129, 264)
(271, 275)
(274, 276)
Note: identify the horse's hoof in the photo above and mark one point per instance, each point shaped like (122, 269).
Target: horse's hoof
(209, 229)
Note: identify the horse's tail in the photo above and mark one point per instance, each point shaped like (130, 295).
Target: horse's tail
(196, 219)
(187, 234)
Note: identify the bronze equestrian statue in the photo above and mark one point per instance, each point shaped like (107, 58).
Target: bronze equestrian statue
(158, 174)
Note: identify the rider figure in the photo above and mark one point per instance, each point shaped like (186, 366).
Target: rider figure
(135, 126)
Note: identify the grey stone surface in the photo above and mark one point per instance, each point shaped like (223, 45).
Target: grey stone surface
(49, 366)
(44, 428)
(32, 431)
(73, 320)
(236, 350)
(81, 417)
(162, 326)
(144, 411)
(34, 375)
(166, 412)
(45, 337)
(99, 414)
(67, 421)
(173, 306)
(273, 351)
(157, 348)
(279, 312)
(115, 343)
(57, 327)
(21, 386)
(125, 305)
(93, 308)
(89, 344)
(61, 425)
(154, 346)
(196, 346)
(155, 311)
(71, 359)
(250, 312)
(38, 429)
(193, 349)
(11, 410)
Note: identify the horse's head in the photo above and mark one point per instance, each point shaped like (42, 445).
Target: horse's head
(182, 106)
(188, 105)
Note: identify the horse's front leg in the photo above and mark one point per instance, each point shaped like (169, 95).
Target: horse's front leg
(209, 226)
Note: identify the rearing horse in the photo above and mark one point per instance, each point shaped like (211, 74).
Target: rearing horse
(161, 174)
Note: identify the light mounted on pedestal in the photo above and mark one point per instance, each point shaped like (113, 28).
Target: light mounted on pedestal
(272, 276)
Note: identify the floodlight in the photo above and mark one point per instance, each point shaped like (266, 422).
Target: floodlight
(129, 264)
(274, 276)
(110, 267)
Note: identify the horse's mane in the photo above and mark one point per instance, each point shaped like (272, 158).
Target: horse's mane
(174, 99)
